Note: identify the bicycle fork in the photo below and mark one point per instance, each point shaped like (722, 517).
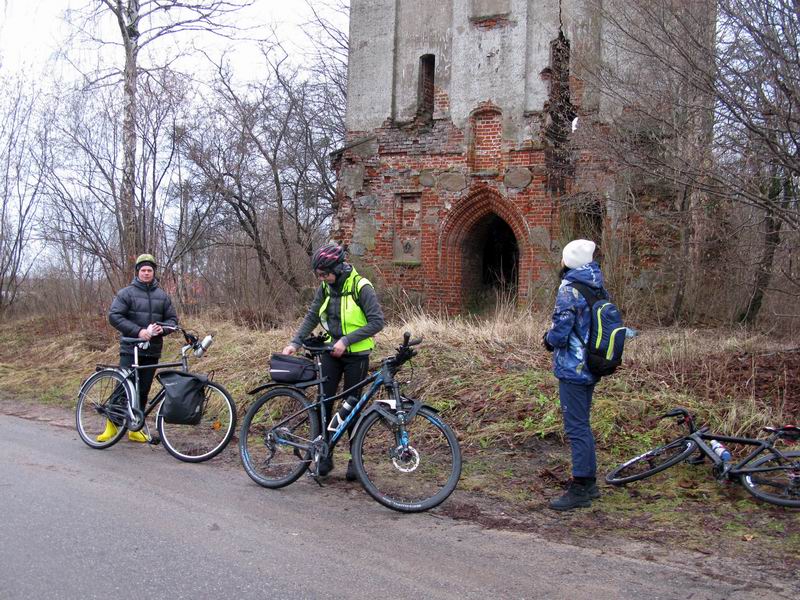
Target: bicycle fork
(405, 457)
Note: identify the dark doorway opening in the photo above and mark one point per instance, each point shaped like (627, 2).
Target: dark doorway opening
(490, 265)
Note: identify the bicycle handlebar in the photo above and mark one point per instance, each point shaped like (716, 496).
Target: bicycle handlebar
(191, 338)
(684, 417)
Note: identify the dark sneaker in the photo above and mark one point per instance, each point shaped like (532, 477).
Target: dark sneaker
(352, 474)
(325, 466)
(576, 496)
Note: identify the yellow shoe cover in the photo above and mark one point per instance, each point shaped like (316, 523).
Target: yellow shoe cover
(137, 436)
(110, 432)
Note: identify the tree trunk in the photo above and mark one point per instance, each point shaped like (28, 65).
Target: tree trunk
(129, 236)
(763, 275)
(684, 260)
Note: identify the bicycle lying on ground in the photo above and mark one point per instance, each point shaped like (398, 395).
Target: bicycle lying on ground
(766, 472)
(405, 456)
(110, 393)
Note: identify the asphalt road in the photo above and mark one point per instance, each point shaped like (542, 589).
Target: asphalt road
(132, 522)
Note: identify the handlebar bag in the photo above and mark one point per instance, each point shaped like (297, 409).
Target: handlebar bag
(286, 368)
(185, 397)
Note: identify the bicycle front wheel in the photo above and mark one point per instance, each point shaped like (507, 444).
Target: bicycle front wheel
(780, 484)
(101, 410)
(276, 435)
(206, 439)
(410, 477)
(652, 462)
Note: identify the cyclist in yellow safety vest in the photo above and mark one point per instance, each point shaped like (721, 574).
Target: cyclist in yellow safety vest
(347, 308)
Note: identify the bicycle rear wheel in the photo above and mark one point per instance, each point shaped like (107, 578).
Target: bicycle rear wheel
(781, 484)
(413, 477)
(276, 433)
(652, 462)
(102, 397)
(203, 441)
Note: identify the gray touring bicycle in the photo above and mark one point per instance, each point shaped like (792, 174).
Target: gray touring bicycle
(109, 394)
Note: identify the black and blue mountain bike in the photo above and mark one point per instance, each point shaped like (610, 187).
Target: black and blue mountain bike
(405, 456)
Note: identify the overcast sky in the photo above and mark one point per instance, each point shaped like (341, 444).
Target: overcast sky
(32, 32)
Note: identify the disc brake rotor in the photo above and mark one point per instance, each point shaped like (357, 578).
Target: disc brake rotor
(405, 460)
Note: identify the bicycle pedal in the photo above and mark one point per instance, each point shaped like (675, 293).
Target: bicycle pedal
(317, 479)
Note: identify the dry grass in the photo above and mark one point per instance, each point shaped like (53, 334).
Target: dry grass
(492, 381)
(480, 365)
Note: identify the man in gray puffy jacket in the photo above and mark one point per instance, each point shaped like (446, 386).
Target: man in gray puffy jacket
(135, 312)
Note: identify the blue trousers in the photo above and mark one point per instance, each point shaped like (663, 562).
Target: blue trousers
(576, 404)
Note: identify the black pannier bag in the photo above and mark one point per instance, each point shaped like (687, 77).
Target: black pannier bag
(185, 399)
(286, 368)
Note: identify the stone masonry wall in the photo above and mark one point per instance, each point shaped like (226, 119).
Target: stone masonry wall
(411, 195)
(417, 190)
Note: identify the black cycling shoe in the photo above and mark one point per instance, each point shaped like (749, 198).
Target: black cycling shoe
(325, 466)
(352, 474)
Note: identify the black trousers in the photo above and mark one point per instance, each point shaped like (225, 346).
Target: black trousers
(353, 367)
(145, 375)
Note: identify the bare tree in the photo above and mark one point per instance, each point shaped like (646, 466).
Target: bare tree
(328, 62)
(139, 24)
(83, 181)
(21, 140)
(263, 151)
(707, 131)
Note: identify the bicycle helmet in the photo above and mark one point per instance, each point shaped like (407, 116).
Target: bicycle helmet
(327, 257)
(146, 259)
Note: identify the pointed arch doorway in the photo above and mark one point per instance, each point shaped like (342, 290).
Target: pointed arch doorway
(490, 262)
(482, 251)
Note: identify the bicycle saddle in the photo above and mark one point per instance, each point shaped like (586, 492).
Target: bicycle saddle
(143, 344)
(790, 432)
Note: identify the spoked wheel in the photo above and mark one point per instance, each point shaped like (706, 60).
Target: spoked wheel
(102, 409)
(652, 462)
(412, 476)
(778, 482)
(196, 443)
(276, 431)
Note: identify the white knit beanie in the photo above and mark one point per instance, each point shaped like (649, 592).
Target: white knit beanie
(578, 253)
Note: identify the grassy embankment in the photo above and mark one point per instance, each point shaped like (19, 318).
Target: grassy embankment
(492, 382)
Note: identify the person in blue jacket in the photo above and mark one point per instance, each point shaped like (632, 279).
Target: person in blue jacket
(567, 339)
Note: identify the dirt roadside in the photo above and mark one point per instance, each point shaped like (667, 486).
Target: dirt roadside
(634, 534)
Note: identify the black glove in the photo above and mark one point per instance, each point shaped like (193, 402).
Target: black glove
(546, 344)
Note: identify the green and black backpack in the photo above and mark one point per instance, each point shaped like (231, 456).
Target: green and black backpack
(606, 331)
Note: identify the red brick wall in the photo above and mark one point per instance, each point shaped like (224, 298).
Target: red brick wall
(397, 194)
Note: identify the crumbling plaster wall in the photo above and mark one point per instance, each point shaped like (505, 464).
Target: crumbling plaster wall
(499, 63)
(411, 188)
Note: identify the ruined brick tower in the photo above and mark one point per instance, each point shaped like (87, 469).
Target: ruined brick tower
(458, 116)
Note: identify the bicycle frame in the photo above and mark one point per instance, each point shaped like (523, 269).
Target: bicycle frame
(740, 468)
(383, 377)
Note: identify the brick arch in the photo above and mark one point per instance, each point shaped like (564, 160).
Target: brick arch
(459, 223)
